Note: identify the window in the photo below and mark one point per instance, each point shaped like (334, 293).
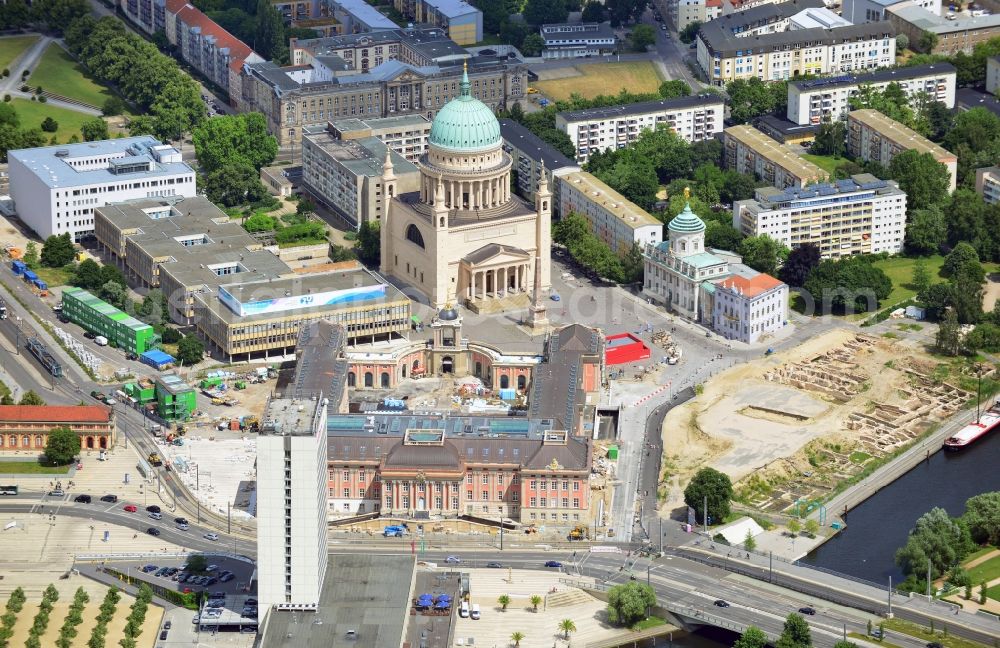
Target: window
(531, 502)
(515, 496)
(454, 502)
(406, 487)
(533, 484)
(576, 485)
(414, 236)
(347, 492)
(468, 478)
(361, 475)
(542, 501)
(437, 489)
(500, 479)
(486, 479)
(576, 502)
(468, 495)
(565, 485)
(545, 485)
(565, 503)
(347, 475)
(486, 495)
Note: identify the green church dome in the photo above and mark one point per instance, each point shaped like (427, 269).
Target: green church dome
(686, 222)
(465, 124)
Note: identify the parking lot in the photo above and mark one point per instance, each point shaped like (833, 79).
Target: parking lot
(224, 573)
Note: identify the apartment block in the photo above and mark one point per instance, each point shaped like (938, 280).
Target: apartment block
(874, 137)
(404, 134)
(953, 36)
(532, 156)
(681, 13)
(593, 130)
(346, 175)
(463, 22)
(859, 215)
(737, 6)
(575, 40)
(758, 43)
(747, 150)
(827, 99)
(988, 184)
(993, 74)
(57, 188)
(613, 218)
(754, 19)
(374, 75)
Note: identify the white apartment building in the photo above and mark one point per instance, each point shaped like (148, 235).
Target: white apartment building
(574, 40)
(827, 99)
(988, 184)
(859, 215)
(865, 11)
(613, 218)
(693, 118)
(404, 134)
(747, 150)
(737, 6)
(871, 136)
(532, 156)
(56, 188)
(682, 13)
(993, 74)
(292, 498)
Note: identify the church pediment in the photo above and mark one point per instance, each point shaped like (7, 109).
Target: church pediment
(496, 254)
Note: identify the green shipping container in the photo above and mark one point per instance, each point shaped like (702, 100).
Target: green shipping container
(175, 399)
(101, 318)
(613, 452)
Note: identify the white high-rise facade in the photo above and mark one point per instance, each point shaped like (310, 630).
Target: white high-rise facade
(292, 503)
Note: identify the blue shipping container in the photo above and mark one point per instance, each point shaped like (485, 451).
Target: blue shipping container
(41, 285)
(18, 267)
(30, 276)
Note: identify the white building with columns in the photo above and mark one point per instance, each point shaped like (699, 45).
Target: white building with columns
(463, 237)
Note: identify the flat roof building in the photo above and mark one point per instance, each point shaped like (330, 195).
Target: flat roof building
(858, 215)
(988, 184)
(813, 17)
(531, 154)
(574, 40)
(993, 74)
(404, 134)
(747, 150)
(357, 16)
(862, 11)
(99, 317)
(613, 218)
(967, 99)
(826, 99)
(57, 188)
(346, 175)
(959, 35)
(463, 21)
(871, 136)
(591, 130)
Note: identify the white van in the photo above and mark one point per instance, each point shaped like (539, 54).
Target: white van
(464, 610)
(475, 611)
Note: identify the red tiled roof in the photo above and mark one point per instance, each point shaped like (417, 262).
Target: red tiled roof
(760, 283)
(56, 413)
(192, 17)
(713, 3)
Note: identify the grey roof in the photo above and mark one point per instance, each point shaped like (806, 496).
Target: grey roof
(491, 250)
(583, 31)
(367, 593)
(319, 365)
(556, 391)
(349, 124)
(923, 19)
(531, 145)
(452, 8)
(642, 107)
(895, 74)
(50, 165)
(725, 44)
(364, 156)
(365, 13)
(431, 42)
(772, 197)
(764, 14)
(967, 99)
(770, 124)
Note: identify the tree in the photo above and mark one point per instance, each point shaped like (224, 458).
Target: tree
(31, 398)
(594, 11)
(748, 542)
(62, 446)
(113, 105)
(982, 516)
(674, 89)
(722, 236)
(795, 633)
(504, 601)
(927, 41)
(235, 139)
(50, 125)
(541, 12)
(924, 179)
(190, 350)
(532, 45)
(982, 593)
(57, 251)
(94, 129)
(632, 264)
(269, 34)
(763, 253)
(902, 42)
(920, 280)
(831, 139)
(752, 637)
(641, 37)
(113, 292)
(968, 292)
(260, 222)
(567, 626)
(812, 526)
(87, 275)
(368, 244)
(622, 12)
(842, 643)
(936, 538)
(926, 230)
(536, 600)
(794, 526)
(799, 264)
(516, 637)
(628, 603)
(851, 283)
(961, 255)
(233, 185)
(196, 563)
(750, 98)
(985, 337)
(714, 485)
(947, 339)
(690, 32)
(30, 257)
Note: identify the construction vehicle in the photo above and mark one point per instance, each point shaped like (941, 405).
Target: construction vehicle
(394, 531)
(155, 459)
(579, 532)
(250, 424)
(532, 90)
(217, 401)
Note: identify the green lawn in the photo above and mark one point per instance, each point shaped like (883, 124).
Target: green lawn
(979, 552)
(54, 276)
(985, 571)
(993, 593)
(648, 622)
(12, 46)
(30, 467)
(33, 113)
(825, 162)
(900, 271)
(923, 633)
(58, 72)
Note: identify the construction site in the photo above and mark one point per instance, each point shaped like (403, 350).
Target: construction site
(794, 428)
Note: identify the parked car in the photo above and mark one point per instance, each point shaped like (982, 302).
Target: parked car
(225, 578)
(156, 516)
(89, 335)
(148, 568)
(211, 536)
(181, 520)
(153, 509)
(83, 499)
(182, 527)
(153, 531)
(163, 635)
(168, 625)
(113, 499)
(130, 508)
(212, 568)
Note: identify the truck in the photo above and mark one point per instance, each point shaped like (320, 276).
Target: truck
(155, 459)
(394, 531)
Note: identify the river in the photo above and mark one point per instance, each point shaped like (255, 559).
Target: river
(879, 526)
